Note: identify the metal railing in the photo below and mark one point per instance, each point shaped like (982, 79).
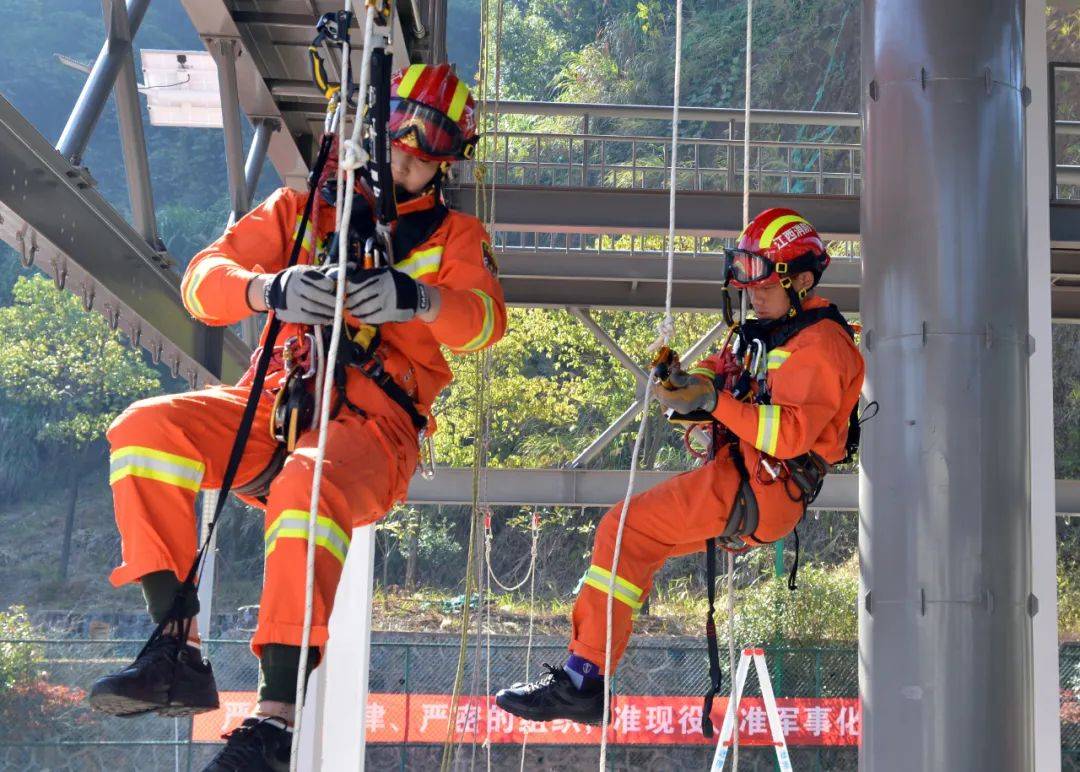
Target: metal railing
(583, 157)
(642, 162)
(45, 720)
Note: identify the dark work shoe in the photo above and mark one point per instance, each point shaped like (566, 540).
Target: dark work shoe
(552, 696)
(257, 745)
(168, 677)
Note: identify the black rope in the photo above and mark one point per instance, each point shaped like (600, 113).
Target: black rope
(194, 574)
(715, 674)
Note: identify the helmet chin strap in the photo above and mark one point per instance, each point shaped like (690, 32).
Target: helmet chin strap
(794, 295)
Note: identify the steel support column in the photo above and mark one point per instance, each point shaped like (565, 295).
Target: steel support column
(225, 51)
(1047, 708)
(132, 136)
(256, 156)
(87, 110)
(945, 634)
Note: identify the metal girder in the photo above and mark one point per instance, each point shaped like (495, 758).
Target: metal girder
(213, 19)
(51, 215)
(554, 278)
(602, 488)
(621, 210)
(557, 278)
(698, 213)
(132, 136)
(114, 52)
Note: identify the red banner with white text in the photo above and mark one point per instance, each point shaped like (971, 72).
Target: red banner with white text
(638, 720)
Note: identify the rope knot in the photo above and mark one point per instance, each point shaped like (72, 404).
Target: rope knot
(355, 156)
(665, 332)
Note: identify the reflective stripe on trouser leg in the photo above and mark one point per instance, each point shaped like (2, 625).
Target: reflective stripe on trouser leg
(360, 481)
(684, 510)
(163, 450)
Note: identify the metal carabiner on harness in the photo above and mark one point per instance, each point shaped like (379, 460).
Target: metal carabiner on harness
(426, 463)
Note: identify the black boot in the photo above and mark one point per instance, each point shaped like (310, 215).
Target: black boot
(552, 696)
(257, 745)
(168, 677)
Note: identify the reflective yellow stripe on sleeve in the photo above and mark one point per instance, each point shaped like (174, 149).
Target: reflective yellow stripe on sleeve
(776, 358)
(153, 464)
(422, 262)
(306, 243)
(701, 371)
(195, 279)
(600, 579)
(487, 328)
(768, 430)
(293, 524)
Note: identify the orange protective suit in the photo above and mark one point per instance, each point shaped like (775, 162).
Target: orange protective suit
(166, 448)
(814, 380)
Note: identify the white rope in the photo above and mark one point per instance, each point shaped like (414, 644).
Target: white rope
(532, 620)
(490, 568)
(345, 179)
(742, 317)
(666, 333)
(638, 441)
(731, 659)
(746, 114)
(666, 329)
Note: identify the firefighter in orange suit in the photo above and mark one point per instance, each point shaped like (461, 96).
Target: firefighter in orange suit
(442, 290)
(791, 421)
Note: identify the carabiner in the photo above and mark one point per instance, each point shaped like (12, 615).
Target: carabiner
(427, 456)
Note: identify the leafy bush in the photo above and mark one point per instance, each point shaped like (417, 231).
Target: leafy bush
(19, 662)
(823, 609)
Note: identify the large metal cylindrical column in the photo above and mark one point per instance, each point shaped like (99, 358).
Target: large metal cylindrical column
(945, 632)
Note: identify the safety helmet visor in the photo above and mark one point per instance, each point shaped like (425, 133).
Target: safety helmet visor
(434, 133)
(744, 269)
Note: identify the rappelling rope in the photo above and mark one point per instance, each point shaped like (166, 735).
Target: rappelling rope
(742, 318)
(746, 113)
(348, 162)
(532, 618)
(666, 331)
(449, 745)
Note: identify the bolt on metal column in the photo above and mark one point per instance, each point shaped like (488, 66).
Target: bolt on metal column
(945, 638)
(87, 110)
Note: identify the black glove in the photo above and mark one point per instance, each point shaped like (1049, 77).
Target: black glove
(381, 295)
(302, 294)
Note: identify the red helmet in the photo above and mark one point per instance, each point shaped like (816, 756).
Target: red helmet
(777, 244)
(432, 113)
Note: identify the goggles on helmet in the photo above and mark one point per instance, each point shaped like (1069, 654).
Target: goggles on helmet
(434, 133)
(745, 269)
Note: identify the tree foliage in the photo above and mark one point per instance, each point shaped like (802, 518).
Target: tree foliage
(66, 365)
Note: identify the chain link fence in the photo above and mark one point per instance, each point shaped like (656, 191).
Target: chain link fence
(46, 725)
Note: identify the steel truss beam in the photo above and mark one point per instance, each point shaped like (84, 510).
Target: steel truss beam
(553, 278)
(52, 216)
(619, 424)
(602, 488)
